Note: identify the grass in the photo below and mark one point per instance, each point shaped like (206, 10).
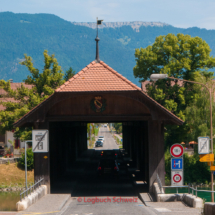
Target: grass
(11, 175)
(96, 131)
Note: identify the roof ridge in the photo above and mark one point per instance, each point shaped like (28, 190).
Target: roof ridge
(119, 75)
(75, 76)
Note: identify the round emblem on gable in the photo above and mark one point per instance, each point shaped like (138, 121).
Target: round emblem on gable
(98, 104)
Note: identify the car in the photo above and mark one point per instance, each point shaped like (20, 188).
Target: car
(108, 166)
(99, 144)
(101, 137)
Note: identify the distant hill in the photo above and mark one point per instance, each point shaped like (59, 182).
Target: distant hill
(74, 43)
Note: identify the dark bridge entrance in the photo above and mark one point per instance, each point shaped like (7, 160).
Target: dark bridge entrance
(71, 162)
(99, 94)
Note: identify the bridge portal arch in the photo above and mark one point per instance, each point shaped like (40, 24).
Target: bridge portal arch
(99, 94)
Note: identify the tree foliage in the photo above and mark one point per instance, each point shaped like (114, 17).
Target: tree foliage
(43, 85)
(118, 127)
(69, 74)
(180, 56)
(30, 159)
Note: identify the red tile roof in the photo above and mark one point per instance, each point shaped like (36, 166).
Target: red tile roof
(144, 84)
(97, 77)
(6, 100)
(14, 86)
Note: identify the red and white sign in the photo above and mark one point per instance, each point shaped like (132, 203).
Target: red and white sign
(177, 178)
(176, 150)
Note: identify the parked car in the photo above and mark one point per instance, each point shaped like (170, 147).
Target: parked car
(99, 144)
(108, 166)
(101, 138)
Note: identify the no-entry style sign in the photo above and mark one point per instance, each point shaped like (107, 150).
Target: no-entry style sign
(40, 140)
(176, 178)
(176, 150)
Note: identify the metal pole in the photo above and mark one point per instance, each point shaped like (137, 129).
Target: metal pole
(211, 128)
(25, 168)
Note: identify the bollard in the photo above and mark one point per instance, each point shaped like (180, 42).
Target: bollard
(196, 191)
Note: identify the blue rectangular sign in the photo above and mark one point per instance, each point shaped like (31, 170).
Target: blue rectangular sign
(177, 163)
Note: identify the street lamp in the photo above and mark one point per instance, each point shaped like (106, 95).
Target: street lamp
(155, 77)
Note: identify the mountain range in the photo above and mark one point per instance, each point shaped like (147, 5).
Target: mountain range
(74, 44)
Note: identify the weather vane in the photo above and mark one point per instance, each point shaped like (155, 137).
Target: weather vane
(99, 22)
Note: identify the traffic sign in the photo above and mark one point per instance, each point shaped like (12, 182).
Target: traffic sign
(212, 168)
(176, 178)
(206, 158)
(176, 163)
(176, 150)
(203, 145)
(40, 140)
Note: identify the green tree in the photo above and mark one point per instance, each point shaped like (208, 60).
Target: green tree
(69, 74)
(30, 160)
(180, 56)
(118, 127)
(44, 83)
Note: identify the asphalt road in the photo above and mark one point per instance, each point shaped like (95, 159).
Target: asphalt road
(109, 142)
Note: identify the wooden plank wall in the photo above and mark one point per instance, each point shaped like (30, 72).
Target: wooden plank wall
(156, 152)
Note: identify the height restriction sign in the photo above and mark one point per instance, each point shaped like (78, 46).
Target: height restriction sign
(176, 150)
(176, 178)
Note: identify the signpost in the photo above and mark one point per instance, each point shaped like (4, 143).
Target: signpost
(206, 158)
(176, 150)
(177, 178)
(177, 164)
(40, 141)
(203, 145)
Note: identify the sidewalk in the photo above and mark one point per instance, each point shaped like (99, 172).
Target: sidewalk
(176, 208)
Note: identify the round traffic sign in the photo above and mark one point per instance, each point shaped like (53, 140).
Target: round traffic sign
(177, 178)
(176, 150)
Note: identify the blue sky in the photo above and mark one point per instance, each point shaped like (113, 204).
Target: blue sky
(179, 13)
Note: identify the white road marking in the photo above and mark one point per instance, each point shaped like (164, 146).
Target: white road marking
(162, 210)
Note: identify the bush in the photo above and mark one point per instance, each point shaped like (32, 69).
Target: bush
(30, 160)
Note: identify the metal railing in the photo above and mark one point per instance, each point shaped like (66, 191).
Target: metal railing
(190, 187)
(159, 183)
(184, 186)
(31, 189)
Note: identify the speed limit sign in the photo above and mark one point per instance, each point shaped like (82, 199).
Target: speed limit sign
(176, 178)
(176, 150)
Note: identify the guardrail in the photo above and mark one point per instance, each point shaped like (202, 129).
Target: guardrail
(189, 187)
(31, 189)
(159, 183)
